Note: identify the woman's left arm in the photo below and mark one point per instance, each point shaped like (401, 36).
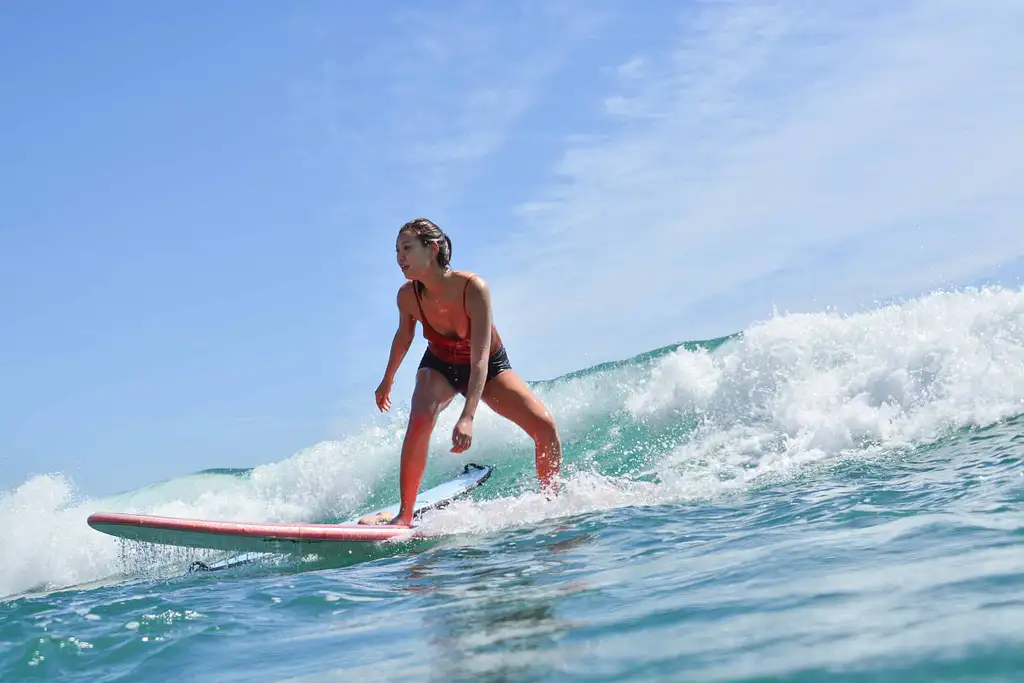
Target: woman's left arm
(478, 305)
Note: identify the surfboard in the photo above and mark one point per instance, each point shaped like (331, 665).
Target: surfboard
(258, 538)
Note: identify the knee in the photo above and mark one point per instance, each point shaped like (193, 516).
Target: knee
(424, 412)
(422, 415)
(544, 429)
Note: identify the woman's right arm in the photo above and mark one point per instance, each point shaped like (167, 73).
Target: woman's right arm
(399, 347)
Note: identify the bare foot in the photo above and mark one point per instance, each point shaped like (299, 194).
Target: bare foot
(377, 518)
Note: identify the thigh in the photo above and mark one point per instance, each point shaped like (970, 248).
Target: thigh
(433, 392)
(508, 396)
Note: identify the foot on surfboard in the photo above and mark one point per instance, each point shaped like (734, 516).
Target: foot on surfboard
(376, 518)
(382, 518)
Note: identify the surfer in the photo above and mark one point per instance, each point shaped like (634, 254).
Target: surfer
(464, 355)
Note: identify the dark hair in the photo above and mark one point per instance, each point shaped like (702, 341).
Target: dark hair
(428, 232)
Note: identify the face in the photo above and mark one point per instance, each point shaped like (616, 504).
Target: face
(414, 258)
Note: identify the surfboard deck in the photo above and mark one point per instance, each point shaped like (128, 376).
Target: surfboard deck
(259, 538)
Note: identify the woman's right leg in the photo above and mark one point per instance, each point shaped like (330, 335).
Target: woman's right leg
(432, 394)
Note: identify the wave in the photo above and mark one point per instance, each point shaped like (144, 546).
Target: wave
(675, 424)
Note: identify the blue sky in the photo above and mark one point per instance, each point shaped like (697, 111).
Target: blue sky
(198, 202)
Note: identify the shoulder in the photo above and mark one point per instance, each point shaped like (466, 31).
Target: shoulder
(472, 280)
(474, 284)
(476, 295)
(406, 294)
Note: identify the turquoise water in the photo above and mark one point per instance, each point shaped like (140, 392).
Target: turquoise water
(818, 498)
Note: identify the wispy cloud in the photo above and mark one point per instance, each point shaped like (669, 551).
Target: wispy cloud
(748, 162)
(444, 89)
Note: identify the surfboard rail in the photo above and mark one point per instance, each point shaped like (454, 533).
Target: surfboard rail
(103, 521)
(279, 537)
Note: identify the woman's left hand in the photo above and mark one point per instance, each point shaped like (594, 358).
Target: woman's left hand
(462, 435)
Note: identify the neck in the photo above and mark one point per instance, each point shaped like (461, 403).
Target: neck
(433, 278)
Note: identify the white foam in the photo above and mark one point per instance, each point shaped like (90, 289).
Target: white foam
(45, 537)
(583, 492)
(806, 387)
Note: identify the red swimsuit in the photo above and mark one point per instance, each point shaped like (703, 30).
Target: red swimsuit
(452, 357)
(451, 349)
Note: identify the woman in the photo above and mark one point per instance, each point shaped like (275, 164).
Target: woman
(464, 355)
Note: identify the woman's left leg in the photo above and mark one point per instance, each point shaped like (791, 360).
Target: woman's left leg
(508, 396)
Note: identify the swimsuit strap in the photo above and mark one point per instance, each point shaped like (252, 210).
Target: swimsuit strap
(419, 304)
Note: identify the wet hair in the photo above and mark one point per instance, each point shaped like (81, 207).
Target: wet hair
(428, 232)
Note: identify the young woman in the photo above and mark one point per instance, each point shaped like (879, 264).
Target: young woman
(464, 355)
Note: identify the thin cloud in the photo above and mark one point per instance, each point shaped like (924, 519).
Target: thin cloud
(457, 83)
(742, 155)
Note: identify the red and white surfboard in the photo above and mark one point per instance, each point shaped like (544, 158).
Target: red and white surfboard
(277, 537)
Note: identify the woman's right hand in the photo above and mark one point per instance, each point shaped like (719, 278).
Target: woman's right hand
(383, 395)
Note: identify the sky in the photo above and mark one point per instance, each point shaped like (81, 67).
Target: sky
(199, 202)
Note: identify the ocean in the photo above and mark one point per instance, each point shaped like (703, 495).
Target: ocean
(819, 497)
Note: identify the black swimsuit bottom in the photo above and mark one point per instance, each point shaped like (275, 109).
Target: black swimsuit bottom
(457, 374)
